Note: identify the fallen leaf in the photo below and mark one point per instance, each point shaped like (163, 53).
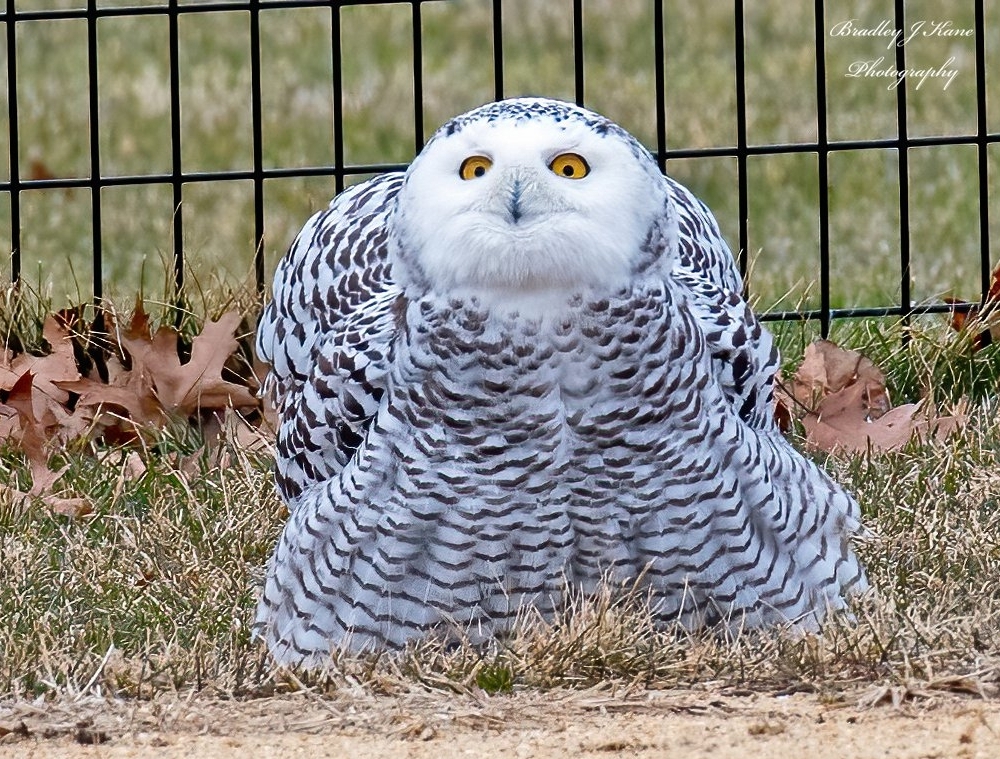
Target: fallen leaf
(827, 369)
(260, 437)
(979, 318)
(784, 404)
(133, 395)
(188, 388)
(970, 319)
(842, 423)
(134, 467)
(34, 436)
(841, 399)
(48, 370)
(99, 381)
(68, 507)
(157, 385)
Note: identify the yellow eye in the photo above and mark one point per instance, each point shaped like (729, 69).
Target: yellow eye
(570, 165)
(474, 166)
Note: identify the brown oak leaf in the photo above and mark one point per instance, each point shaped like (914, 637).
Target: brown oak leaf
(188, 388)
(827, 369)
(158, 384)
(841, 399)
(981, 320)
(57, 366)
(36, 435)
(842, 422)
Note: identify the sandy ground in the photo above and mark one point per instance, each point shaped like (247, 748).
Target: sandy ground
(537, 724)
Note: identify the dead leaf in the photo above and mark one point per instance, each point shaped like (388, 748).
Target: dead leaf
(827, 368)
(134, 396)
(840, 398)
(134, 467)
(57, 366)
(783, 405)
(104, 382)
(34, 436)
(158, 385)
(842, 423)
(68, 507)
(961, 320)
(248, 437)
(259, 437)
(188, 388)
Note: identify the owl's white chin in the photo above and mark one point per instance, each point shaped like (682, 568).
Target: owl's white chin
(502, 261)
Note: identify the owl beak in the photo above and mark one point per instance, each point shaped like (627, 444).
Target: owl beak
(514, 202)
(514, 196)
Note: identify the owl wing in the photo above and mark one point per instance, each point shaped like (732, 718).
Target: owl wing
(326, 334)
(744, 356)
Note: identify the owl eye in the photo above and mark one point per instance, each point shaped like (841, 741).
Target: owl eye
(570, 165)
(474, 166)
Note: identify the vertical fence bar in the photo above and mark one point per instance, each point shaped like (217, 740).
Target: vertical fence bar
(497, 50)
(92, 14)
(578, 54)
(15, 168)
(256, 117)
(418, 78)
(95, 150)
(904, 172)
(823, 158)
(985, 264)
(338, 97)
(741, 140)
(176, 179)
(659, 79)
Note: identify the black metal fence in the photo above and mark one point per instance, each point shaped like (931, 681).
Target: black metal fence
(20, 181)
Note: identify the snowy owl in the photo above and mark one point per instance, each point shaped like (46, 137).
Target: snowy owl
(521, 366)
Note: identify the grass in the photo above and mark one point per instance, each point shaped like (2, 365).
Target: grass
(377, 72)
(155, 591)
(162, 575)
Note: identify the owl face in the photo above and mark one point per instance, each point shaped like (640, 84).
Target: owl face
(526, 197)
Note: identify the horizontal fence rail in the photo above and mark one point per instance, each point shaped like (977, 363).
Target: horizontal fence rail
(14, 16)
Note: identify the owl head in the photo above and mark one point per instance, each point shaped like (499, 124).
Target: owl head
(530, 197)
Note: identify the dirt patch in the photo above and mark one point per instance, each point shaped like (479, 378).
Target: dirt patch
(535, 724)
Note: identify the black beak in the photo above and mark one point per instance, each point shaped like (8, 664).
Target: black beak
(515, 201)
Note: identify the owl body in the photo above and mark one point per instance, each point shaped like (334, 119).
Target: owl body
(459, 442)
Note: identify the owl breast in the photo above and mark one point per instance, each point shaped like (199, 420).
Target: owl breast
(557, 380)
(565, 435)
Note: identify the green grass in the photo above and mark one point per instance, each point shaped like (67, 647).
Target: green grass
(163, 574)
(457, 75)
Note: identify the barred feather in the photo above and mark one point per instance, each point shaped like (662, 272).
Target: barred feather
(446, 463)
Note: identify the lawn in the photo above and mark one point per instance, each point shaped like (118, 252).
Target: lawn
(154, 591)
(377, 74)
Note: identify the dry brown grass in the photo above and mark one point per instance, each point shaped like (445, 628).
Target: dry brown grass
(154, 593)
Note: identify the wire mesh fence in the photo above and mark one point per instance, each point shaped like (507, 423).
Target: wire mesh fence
(96, 166)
